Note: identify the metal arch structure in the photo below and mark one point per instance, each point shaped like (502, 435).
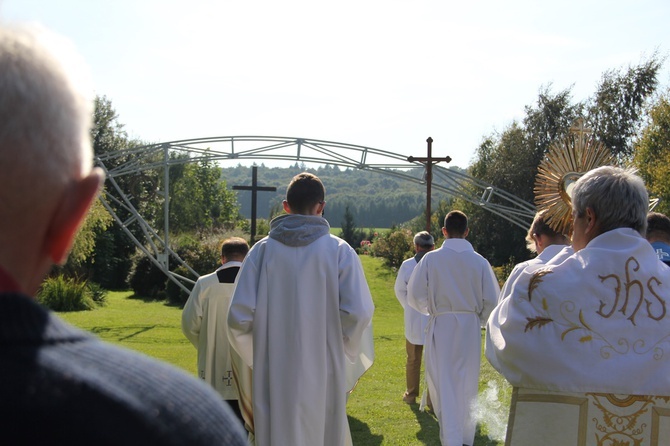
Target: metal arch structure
(134, 161)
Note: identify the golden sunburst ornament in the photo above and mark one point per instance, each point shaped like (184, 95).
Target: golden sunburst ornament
(566, 161)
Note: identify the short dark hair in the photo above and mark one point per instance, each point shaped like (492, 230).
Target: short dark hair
(456, 223)
(234, 247)
(304, 192)
(658, 226)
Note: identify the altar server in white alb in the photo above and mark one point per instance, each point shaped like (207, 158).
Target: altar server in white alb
(299, 311)
(415, 322)
(203, 321)
(458, 289)
(598, 321)
(544, 241)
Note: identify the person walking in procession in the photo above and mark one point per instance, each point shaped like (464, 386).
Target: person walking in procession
(204, 319)
(545, 242)
(458, 289)
(415, 322)
(299, 311)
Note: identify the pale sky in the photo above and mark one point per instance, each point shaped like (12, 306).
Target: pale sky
(384, 74)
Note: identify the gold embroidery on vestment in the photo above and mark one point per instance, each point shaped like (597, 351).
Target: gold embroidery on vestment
(620, 427)
(628, 296)
(630, 285)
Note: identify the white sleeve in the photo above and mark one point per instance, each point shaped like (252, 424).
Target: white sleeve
(417, 288)
(490, 293)
(241, 311)
(356, 307)
(400, 286)
(191, 316)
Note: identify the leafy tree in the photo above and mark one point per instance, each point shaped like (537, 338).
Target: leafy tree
(549, 120)
(616, 110)
(652, 154)
(113, 249)
(509, 160)
(200, 199)
(98, 220)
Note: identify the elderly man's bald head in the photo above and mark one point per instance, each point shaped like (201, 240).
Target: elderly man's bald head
(47, 183)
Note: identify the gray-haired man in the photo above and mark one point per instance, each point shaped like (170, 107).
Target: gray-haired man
(415, 322)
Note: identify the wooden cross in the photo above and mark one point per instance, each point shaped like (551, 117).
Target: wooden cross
(428, 162)
(254, 188)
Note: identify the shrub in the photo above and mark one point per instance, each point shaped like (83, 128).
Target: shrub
(174, 293)
(394, 247)
(98, 293)
(60, 293)
(146, 280)
(202, 252)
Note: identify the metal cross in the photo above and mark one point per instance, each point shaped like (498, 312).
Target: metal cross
(580, 128)
(254, 188)
(428, 162)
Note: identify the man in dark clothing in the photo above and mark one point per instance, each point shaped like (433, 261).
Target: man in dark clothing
(59, 385)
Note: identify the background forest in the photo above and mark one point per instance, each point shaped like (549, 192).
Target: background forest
(375, 200)
(628, 112)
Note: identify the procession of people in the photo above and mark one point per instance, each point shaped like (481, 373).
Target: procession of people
(283, 329)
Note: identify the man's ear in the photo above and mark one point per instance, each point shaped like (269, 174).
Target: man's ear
(591, 222)
(287, 209)
(76, 200)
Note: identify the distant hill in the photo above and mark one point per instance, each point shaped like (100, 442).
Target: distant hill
(375, 200)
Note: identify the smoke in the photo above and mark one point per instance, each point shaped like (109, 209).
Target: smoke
(490, 412)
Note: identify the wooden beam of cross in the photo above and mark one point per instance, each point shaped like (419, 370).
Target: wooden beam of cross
(428, 162)
(254, 188)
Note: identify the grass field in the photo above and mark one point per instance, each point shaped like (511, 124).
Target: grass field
(377, 414)
(337, 231)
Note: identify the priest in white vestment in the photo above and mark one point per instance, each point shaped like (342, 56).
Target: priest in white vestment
(458, 289)
(544, 241)
(598, 321)
(203, 321)
(300, 309)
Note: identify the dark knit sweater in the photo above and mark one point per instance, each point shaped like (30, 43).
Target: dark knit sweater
(60, 385)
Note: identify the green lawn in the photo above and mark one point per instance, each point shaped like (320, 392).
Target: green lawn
(337, 231)
(377, 414)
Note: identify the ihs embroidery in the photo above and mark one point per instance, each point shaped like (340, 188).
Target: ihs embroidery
(628, 294)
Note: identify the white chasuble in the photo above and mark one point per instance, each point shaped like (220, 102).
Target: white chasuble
(594, 330)
(204, 324)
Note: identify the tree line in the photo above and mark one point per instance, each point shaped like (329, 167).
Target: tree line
(375, 200)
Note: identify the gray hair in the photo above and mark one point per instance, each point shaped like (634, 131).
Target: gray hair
(424, 239)
(617, 197)
(45, 111)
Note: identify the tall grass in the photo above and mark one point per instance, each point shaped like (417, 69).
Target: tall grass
(62, 293)
(377, 414)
